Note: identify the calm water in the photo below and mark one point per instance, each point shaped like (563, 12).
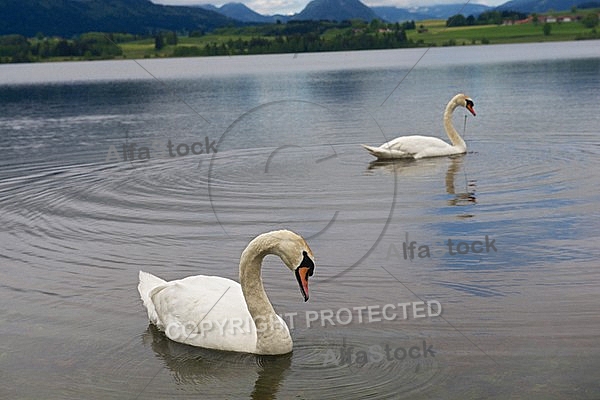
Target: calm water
(519, 319)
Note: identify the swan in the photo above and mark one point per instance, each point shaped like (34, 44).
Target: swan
(219, 313)
(417, 146)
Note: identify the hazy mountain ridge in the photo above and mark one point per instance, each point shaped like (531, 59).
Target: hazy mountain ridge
(241, 12)
(444, 11)
(340, 10)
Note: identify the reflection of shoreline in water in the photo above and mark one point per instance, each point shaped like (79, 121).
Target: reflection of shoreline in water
(467, 197)
(196, 366)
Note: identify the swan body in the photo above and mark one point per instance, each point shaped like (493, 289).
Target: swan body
(219, 313)
(417, 146)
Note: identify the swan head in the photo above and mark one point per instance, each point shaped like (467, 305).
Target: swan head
(466, 102)
(297, 256)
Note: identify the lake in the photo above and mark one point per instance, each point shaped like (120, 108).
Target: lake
(473, 276)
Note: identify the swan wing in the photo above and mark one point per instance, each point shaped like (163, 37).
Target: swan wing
(416, 144)
(408, 147)
(205, 311)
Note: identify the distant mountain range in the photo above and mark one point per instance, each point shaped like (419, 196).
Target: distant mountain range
(71, 17)
(340, 10)
(334, 10)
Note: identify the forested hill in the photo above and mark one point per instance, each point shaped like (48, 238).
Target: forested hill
(70, 17)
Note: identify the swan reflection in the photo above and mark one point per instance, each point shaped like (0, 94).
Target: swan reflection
(460, 198)
(198, 366)
(465, 195)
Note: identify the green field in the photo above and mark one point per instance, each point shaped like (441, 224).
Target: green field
(438, 35)
(145, 48)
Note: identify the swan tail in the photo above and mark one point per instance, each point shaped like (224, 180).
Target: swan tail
(385, 154)
(148, 283)
(374, 151)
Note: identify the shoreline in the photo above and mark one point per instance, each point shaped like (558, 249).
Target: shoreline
(206, 67)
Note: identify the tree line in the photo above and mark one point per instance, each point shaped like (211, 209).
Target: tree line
(309, 36)
(485, 18)
(291, 37)
(93, 45)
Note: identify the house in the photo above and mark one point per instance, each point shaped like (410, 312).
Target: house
(542, 19)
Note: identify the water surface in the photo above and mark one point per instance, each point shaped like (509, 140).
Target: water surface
(519, 318)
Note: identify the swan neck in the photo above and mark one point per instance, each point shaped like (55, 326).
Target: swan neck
(268, 325)
(449, 126)
(252, 285)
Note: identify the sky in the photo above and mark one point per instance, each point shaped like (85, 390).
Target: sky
(285, 7)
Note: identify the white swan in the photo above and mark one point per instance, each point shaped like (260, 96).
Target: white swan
(417, 146)
(218, 313)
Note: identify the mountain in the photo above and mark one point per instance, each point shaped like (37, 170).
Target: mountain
(241, 12)
(335, 10)
(540, 6)
(442, 11)
(71, 17)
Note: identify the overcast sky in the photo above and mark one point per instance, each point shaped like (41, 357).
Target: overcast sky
(270, 7)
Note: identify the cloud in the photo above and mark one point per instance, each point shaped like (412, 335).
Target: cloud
(276, 6)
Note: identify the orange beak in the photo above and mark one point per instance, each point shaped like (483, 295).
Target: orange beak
(302, 274)
(471, 109)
